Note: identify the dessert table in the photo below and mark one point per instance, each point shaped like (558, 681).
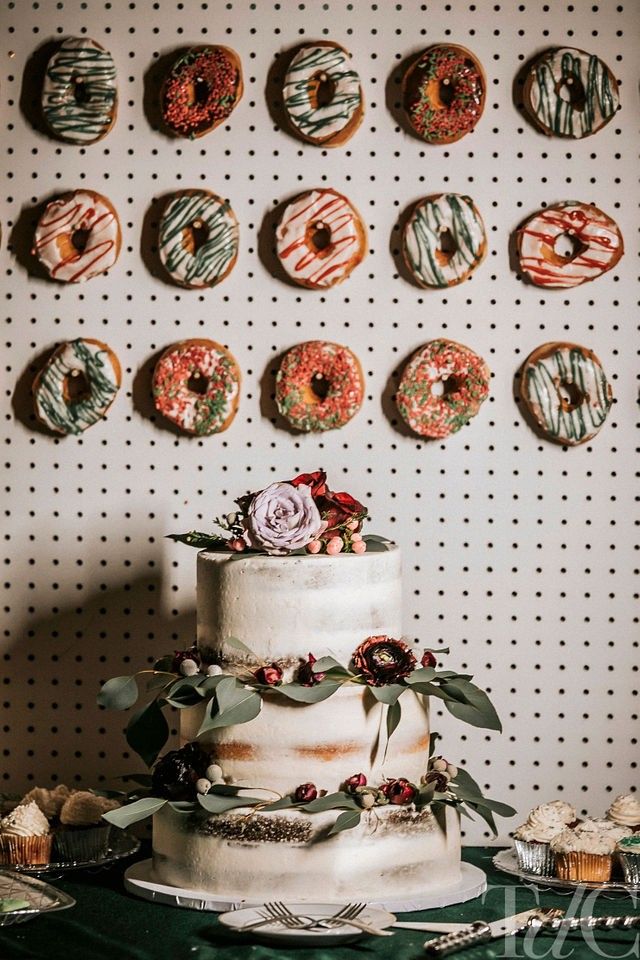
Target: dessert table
(109, 924)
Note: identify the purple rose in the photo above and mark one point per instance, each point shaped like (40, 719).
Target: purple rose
(305, 793)
(270, 674)
(283, 518)
(357, 780)
(399, 791)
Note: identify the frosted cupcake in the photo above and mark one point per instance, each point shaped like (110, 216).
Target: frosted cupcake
(628, 852)
(625, 810)
(25, 836)
(83, 834)
(614, 830)
(583, 856)
(532, 838)
(49, 801)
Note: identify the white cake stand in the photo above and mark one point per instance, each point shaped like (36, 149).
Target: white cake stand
(139, 880)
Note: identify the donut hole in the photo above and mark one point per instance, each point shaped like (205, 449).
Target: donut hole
(198, 383)
(320, 386)
(322, 90)
(445, 387)
(447, 245)
(571, 90)
(571, 396)
(201, 91)
(197, 235)
(446, 91)
(79, 239)
(76, 388)
(567, 246)
(319, 236)
(79, 90)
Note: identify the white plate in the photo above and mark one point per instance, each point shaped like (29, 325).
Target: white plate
(507, 861)
(40, 897)
(237, 919)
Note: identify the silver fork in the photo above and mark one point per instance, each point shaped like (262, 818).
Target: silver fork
(353, 909)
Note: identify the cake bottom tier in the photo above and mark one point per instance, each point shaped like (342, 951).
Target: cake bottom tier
(288, 855)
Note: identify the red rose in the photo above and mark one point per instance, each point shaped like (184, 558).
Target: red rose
(270, 674)
(305, 793)
(399, 791)
(317, 481)
(338, 508)
(306, 676)
(428, 659)
(357, 780)
(382, 660)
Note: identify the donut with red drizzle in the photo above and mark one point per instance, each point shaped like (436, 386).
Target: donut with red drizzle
(78, 236)
(443, 93)
(320, 239)
(464, 379)
(593, 240)
(319, 386)
(201, 90)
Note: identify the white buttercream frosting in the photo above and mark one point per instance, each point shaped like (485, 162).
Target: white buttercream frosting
(545, 822)
(26, 820)
(604, 826)
(625, 810)
(584, 841)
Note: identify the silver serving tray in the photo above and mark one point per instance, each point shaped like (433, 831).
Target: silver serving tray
(507, 862)
(121, 845)
(41, 897)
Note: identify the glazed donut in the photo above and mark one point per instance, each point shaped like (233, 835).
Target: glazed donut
(443, 93)
(78, 236)
(320, 239)
(597, 241)
(319, 386)
(79, 93)
(322, 94)
(564, 388)
(196, 385)
(201, 90)
(591, 93)
(465, 385)
(443, 240)
(198, 238)
(77, 386)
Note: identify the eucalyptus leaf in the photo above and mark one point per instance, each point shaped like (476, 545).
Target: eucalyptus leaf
(214, 803)
(183, 694)
(182, 806)
(487, 816)
(242, 647)
(346, 821)
(478, 710)
(433, 739)
(148, 731)
(207, 687)
(327, 663)
(284, 803)
(388, 694)
(237, 705)
(421, 675)
(119, 693)
(394, 712)
(376, 544)
(201, 541)
(332, 801)
(502, 809)
(133, 812)
(164, 663)
(375, 538)
(301, 694)
(158, 680)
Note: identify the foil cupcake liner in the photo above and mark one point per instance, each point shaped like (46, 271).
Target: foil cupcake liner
(630, 863)
(535, 858)
(82, 843)
(584, 867)
(25, 849)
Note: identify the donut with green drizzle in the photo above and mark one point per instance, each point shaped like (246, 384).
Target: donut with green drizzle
(443, 240)
(566, 392)
(443, 93)
(319, 386)
(570, 93)
(442, 388)
(80, 93)
(198, 238)
(201, 90)
(77, 386)
(196, 385)
(322, 94)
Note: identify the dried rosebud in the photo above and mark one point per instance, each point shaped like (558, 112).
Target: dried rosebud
(439, 781)
(175, 774)
(357, 780)
(382, 660)
(270, 674)
(399, 791)
(428, 659)
(305, 793)
(306, 676)
(180, 655)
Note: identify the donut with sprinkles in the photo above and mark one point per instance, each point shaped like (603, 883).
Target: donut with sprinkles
(201, 90)
(198, 238)
(570, 93)
(442, 388)
(76, 386)
(196, 385)
(80, 92)
(443, 93)
(594, 242)
(322, 94)
(319, 386)
(443, 240)
(320, 239)
(565, 390)
(78, 236)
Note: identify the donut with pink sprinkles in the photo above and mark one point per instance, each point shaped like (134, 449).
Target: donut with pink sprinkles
(442, 388)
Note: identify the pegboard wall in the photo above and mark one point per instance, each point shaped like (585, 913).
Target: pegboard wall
(520, 555)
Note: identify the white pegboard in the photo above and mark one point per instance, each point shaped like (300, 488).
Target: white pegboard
(519, 555)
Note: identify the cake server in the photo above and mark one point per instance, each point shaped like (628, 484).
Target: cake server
(481, 932)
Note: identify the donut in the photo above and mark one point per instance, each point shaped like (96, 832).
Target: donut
(196, 385)
(201, 90)
(570, 93)
(76, 386)
(319, 386)
(596, 238)
(79, 93)
(443, 93)
(443, 240)
(465, 385)
(565, 390)
(198, 238)
(78, 236)
(322, 94)
(320, 239)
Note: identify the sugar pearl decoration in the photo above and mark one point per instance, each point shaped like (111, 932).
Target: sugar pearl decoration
(188, 668)
(203, 786)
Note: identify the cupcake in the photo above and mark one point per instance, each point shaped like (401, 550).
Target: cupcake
(25, 836)
(49, 801)
(531, 839)
(628, 852)
(612, 829)
(83, 834)
(583, 856)
(625, 810)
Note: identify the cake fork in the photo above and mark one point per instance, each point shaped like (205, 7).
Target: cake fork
(281, 912)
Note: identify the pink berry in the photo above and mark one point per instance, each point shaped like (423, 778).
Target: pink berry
(359, 547)
(356, 537)
(353, 524)
(334, 546)
(237, 544)
(314, 547)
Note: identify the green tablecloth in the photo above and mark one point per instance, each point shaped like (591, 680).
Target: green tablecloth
(109, 924)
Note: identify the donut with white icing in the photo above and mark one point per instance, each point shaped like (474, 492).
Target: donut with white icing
(77, 386)
(201, 90)
(442, 388)
(570, 93)
(565, 390)
(322, 94)
(80, 92)
(198, 238)
(443, 240)
(443, 93)
(319, 386)
(596, 239)
(320, 239)
(196, 385)
(78, 236)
